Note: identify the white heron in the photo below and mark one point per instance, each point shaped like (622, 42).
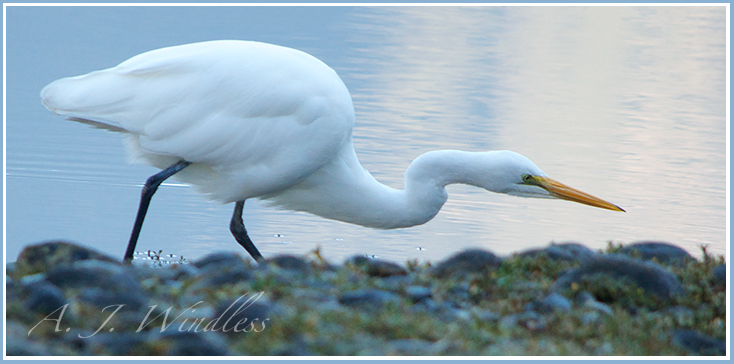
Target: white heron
(241, 120)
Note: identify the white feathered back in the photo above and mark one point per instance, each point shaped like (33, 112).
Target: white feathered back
(228, 106)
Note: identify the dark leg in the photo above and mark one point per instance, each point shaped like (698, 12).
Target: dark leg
(237, 227)
(151, 185)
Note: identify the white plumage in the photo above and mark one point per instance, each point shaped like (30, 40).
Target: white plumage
(251, 112)
(262, 121)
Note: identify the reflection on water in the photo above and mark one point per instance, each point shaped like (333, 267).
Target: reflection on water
(626, 103)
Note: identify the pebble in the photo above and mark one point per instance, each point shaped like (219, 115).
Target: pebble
(377, 267)
(394, 283)
(551, 303)
(459, 292)
(12, 290)
(468, 261)
(447, 311)
(383, 268)
(587, 300)
(698, 343)
(219, 258)
(425, 305)
(101, 298)
(94, 273)
(19, 347)
(17, 343)
(589, 318)
(166, 273)
(599, 307)
(482, 314)
(719, 272)
(530, 320)
(243, 314)
(682, 315)
(316, 299)
(44, 298)
(47, 255)
(221, 272)
(115, 343)
(11, 268)
(562, 251)
(649, 276)
(663, 253)
(358, 260)
(418, 293)
(368, 298)
(291, 262)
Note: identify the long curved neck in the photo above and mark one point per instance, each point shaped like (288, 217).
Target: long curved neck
(343, 190)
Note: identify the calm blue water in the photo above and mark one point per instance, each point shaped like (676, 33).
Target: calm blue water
(626, 103)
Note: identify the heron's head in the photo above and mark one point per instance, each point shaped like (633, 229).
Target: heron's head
(516, 175)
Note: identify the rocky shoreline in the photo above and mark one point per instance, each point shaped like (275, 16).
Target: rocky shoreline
(642, 299)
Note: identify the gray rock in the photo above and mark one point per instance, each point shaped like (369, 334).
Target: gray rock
(22, 347)
(682, 315)
(221, 272)
(587, 300)
(358, 260)
(484, 314)
(219, 258)
(450, 311)
(291, 262)
(530, 320)
(588, 318)
(582, 297)
(418, 293)
(376, 267)
(468, 261)
(425, 305)
(116, 343)
(719, 272)
(383, 268)
(10, 268)
(166, 273)
(101, 298)
(563, 251)
(15, 329)
(698, 343)
(368, 298)
(664, 253)
(44, 298)
(47, 255)
(649, 276)
(459, 292)
(551, 303)
(394, 283)
(33, 279)
(12, 290)
(599, 307)
(93, 273)
(244, 314)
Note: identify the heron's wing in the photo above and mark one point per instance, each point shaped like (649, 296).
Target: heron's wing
(231, 105)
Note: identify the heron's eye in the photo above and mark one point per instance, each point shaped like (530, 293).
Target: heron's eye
(526, 178)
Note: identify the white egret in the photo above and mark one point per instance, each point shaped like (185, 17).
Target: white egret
(241, 120)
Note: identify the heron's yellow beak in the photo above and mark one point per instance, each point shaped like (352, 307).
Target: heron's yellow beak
(558, 189)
